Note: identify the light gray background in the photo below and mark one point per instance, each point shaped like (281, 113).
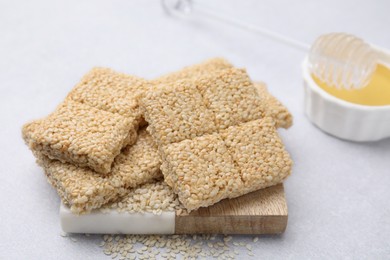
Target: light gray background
(338, 194)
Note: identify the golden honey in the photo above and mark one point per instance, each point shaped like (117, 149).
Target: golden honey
(376, 93)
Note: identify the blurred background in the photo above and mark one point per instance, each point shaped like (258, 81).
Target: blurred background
(338, 193)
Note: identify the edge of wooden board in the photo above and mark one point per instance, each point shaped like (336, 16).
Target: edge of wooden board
(259, 212)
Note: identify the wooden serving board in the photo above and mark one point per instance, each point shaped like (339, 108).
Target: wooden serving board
(260, 212)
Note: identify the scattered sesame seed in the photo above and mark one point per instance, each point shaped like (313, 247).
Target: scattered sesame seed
(227, 239)
(171, 247)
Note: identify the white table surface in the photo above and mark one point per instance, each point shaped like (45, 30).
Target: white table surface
(338, 194)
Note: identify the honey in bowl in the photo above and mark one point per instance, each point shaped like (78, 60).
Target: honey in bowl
(376, 93)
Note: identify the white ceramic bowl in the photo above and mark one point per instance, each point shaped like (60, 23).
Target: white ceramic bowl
(344, 119)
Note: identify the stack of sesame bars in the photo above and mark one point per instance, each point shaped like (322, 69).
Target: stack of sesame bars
(183, 141)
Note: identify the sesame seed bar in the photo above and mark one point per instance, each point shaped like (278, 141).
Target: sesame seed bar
(82, 189)
(97, 119)
(200, 170)
(110, 91)
(199, 160)
(274, 107)
(228, 164)
(230, 95)
(258, 153)
(185, 109)
(79, 133)
(177, 115)
(194, 71)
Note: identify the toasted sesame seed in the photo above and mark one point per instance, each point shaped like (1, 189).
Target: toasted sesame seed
(172, 247)
(228, 238)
